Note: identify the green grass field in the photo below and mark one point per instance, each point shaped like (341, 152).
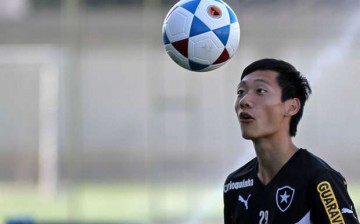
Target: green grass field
(136, 202)
(139, 203)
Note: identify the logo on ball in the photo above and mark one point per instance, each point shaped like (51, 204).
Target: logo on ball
(214, 11)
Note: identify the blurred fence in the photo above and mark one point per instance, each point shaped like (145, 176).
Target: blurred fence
(122, 103)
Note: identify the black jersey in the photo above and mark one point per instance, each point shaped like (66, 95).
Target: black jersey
(306, 190)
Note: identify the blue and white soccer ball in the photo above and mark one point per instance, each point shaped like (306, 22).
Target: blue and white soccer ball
(201, 35)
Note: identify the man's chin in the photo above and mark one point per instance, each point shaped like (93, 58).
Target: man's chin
(249, 133)
(247, 136)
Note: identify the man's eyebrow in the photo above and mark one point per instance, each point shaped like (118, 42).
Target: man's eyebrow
(263, 81)
(242, 83)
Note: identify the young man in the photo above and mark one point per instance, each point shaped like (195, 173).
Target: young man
(284, 184)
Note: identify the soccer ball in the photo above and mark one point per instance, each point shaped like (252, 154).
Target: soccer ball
(201, 35)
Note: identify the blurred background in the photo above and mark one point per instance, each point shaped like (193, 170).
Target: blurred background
(98, 124)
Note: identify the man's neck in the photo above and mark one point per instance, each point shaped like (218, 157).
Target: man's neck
(272, 154)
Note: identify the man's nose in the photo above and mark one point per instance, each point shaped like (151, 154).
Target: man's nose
(245, 101)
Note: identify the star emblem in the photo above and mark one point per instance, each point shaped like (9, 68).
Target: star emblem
(284, 197)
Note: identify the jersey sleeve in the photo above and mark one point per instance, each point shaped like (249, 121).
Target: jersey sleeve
(227, 218)
(227, 205)
(332, 203)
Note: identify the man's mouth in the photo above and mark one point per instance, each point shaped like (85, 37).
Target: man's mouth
(246, 117)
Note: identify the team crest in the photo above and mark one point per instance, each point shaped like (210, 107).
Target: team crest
(284, 197)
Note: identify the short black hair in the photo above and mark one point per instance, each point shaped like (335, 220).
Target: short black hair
(292, 83)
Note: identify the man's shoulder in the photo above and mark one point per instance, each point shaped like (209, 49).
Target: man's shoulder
(315, 164)
(243, 171)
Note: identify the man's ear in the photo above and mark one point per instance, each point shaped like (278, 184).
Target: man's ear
(292, 106)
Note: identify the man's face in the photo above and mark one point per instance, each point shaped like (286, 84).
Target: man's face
(258, 106)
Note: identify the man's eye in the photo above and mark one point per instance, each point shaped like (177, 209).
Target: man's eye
(261, 90)
(240, 92)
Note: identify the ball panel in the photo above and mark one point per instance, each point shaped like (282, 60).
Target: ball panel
(165, 38)
(212, 67)
(170, 12)
(232, 15)
(191, 6)
(198, 27)
(197, 66)
(177, 56)
(181, 46)
(234, 39)
(178, 24)
(223, 34)
(213, 22)
(223, 57)
(205, 48)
